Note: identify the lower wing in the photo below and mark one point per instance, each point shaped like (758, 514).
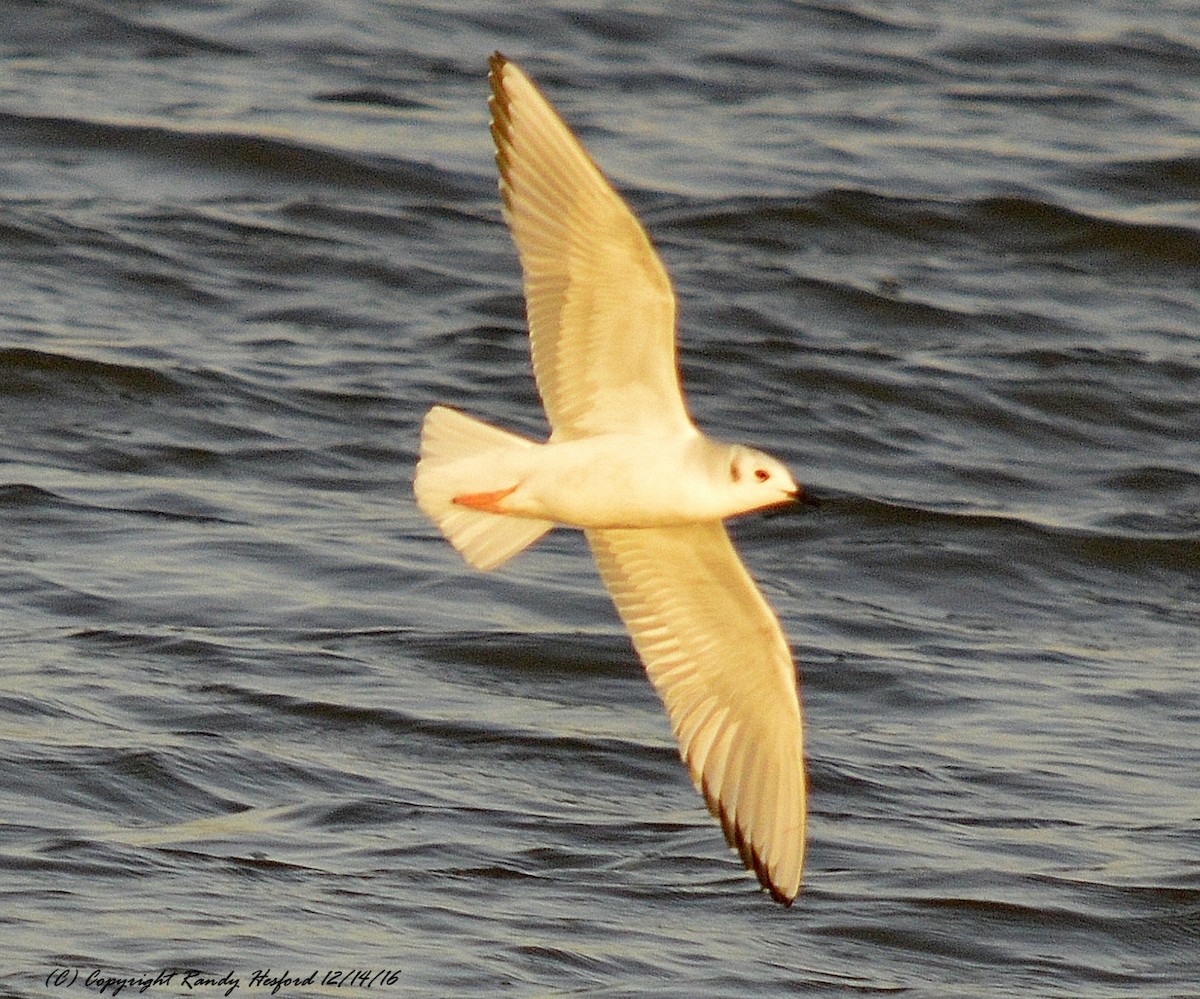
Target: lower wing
(719, 660)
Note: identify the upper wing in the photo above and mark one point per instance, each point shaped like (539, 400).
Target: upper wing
(718, 658)
(600, 305)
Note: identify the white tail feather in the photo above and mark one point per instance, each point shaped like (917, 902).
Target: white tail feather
(457, 453)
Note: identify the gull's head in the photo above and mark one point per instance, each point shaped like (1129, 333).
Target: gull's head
(757, 480)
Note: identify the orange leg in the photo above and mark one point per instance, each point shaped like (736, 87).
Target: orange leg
(488, 502)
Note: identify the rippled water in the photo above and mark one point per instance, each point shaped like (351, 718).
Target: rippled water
(255, 713)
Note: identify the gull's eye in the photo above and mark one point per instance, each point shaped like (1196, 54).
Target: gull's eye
(761, 474)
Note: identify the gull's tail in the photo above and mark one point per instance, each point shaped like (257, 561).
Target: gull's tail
(457, 454)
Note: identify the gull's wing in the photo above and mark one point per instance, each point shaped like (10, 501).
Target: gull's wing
(601, 307)
(719, 660)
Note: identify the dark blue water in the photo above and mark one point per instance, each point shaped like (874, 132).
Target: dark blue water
(256, 714)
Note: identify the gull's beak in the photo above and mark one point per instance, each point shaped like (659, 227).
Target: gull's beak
(803, 497)
(796, 498)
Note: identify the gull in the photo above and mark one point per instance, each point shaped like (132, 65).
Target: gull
(626, 463)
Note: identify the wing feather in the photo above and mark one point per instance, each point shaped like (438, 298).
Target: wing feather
(717, 656)
(600, 305)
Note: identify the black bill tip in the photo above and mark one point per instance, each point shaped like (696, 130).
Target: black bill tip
(803, 497)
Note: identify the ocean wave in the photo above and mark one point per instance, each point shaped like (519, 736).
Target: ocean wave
(260, 156)
(1003, 225)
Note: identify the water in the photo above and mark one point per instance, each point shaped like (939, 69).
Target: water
(255, 714)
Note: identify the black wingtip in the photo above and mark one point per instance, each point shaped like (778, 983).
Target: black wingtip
(737, 841)
(501, 124)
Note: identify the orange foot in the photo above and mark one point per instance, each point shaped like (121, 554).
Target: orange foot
(488, 502)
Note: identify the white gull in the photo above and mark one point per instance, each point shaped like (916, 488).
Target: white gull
(625, 463)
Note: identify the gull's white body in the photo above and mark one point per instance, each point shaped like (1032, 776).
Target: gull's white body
(626, 464)
(618, 480)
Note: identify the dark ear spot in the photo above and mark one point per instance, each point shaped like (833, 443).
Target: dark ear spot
(735, 473)
(761, 474)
